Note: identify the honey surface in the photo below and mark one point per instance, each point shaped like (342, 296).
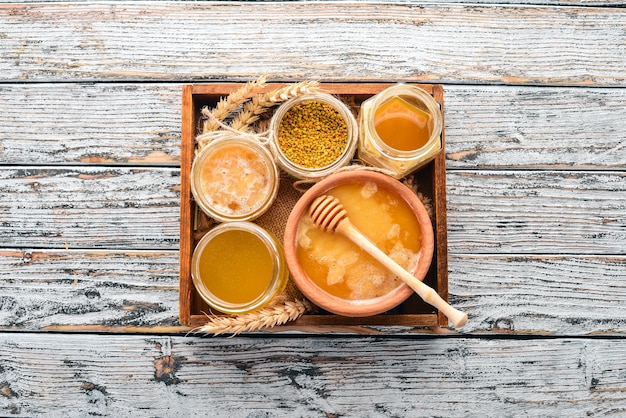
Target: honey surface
(236, 266)
(402, 125)
(343, 269)
(235, 179)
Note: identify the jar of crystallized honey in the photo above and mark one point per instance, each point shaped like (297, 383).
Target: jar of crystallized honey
(400, 129)
(234, 178)
(238, 267)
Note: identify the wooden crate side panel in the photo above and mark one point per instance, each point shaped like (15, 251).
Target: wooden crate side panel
(186, 244)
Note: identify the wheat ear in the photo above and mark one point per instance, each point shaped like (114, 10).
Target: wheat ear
(289, 91)
(263, 101)
(226, 106)
(271, 316)
(249, 114)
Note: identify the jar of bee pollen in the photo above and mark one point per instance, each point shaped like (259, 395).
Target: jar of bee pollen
(313, 135)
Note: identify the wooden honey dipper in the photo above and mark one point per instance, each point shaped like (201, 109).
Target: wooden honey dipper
(328, 214)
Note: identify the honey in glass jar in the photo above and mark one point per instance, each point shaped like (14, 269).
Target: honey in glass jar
(400, 129)
(234, 179)
(238, 267)
(402, 125)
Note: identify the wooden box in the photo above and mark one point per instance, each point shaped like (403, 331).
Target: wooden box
(193, 223)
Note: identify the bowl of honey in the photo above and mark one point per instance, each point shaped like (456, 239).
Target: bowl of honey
(337, 275)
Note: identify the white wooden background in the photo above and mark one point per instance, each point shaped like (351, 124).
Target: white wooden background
(90, 108)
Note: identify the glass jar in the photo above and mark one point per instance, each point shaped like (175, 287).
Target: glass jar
(234, 178)
(301, 150)
(400, 129)
(238, 267)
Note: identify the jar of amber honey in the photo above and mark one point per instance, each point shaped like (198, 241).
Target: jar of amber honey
(400, 129)
(238, 267)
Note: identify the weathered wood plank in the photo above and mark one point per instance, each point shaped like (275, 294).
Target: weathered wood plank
(486, 126)
(90, 123)
(93, 207)
(539, 128)
(81, 375)
(211, 41)
(568, 295)
(516, 2)
(536, 212)
(137, 291)
(42, 289)
(529, 212)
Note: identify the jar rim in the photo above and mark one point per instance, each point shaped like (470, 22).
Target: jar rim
(210, 209)
(279, 271)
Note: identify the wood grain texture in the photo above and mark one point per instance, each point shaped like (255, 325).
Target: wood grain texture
(89, 207)
(90, 123)
(186, 241)
(539, 128)
(80, 375)
(516, 2)
(552, 213)
(211, 41)
(49, 289)
(536, 212)
(486, 126)
(522, 294)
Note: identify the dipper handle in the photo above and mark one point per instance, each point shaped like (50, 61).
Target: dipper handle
(328, 214)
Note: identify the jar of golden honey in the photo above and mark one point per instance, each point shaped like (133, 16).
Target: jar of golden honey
(400, 129)
(238, 267)
(234, 178)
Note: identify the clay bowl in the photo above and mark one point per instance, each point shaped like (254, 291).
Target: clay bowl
(363, 307)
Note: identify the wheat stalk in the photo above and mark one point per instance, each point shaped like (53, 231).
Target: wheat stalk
(271, 316)
(249, 114)
(226, 106)
(289, 91)
(261, 102)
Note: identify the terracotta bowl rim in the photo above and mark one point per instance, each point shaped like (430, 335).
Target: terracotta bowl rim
(366, 307)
